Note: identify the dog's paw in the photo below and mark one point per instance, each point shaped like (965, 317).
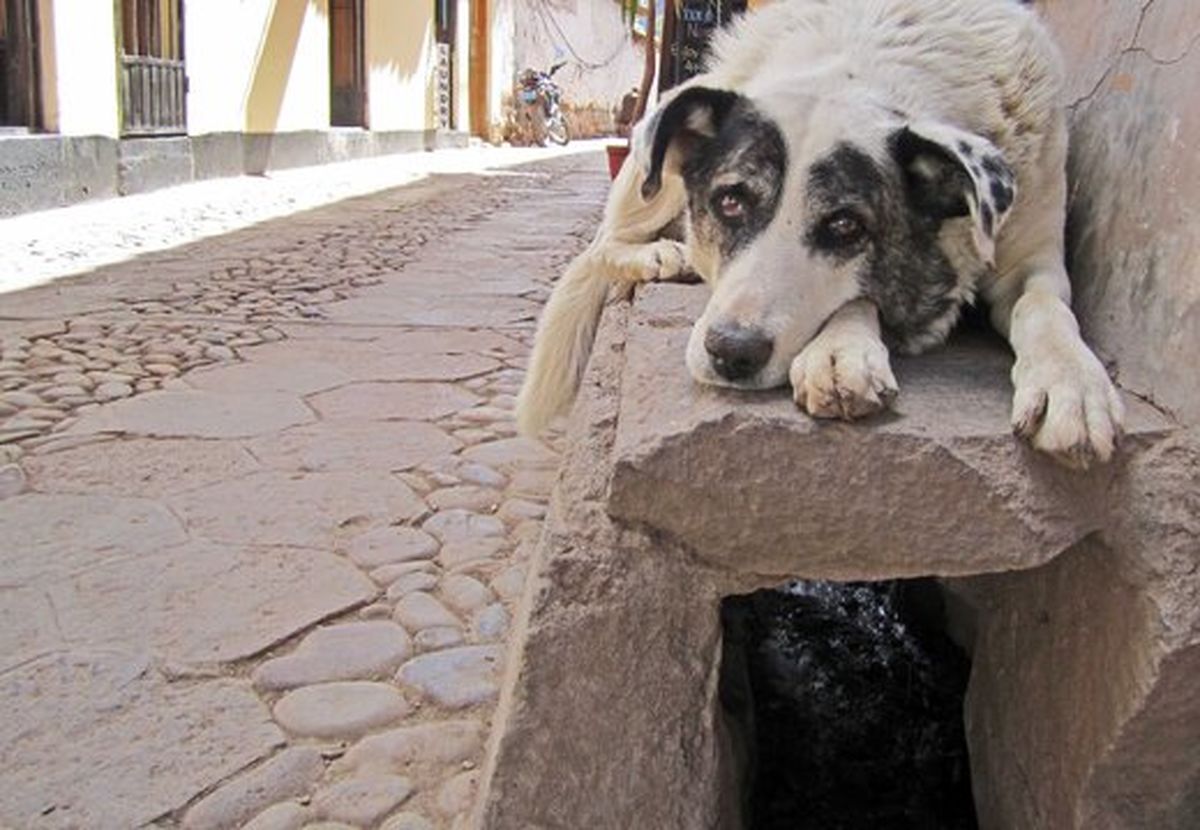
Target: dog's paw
(1067, 406)
(666, 261)
(837, 377)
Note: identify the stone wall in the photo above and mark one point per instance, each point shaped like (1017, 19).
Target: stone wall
(1134, 223)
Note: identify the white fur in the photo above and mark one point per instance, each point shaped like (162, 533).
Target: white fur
(983, 68)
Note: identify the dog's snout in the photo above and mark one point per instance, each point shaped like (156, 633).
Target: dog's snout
(737, 352)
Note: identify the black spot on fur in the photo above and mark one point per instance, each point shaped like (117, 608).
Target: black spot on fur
(747, 158)
(986, 218)
(899, 263)
(671, 123)
(966, 149)
(1002, 195)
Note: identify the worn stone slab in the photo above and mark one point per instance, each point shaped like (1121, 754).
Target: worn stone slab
(342, 711)
(426, 367)
(197, 414)
(719, 469)
(288, 775)
(204, 602)
(457, 525)
(456, 677)
(28, 626)
(392, 401)
(340, 445)
(139, 747)
(348, 651)
(51, 536)
(457, 311)
(286, 815)
(139, 466)
(298, 376)
(307, 510)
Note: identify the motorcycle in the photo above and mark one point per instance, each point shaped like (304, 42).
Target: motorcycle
(540, 98)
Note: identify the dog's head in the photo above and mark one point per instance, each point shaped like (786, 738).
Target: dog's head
(798, 204)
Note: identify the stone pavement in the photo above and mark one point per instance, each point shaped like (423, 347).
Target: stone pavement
(264, 519)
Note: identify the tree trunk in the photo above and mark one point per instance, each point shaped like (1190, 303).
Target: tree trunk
(650, 65)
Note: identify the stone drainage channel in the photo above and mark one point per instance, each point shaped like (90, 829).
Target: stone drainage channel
(845, 703)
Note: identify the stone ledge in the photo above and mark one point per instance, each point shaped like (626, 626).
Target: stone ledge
(939, 487)
(1082, 709)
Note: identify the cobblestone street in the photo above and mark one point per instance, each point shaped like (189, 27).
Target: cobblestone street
(264, 517)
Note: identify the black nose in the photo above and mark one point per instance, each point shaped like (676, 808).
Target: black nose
(737, 352)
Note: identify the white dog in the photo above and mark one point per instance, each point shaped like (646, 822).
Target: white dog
(849, 173)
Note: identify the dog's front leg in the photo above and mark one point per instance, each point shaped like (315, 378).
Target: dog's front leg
(1063, 401)
(844, 372)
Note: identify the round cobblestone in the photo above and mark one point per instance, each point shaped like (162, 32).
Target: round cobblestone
(341, 711)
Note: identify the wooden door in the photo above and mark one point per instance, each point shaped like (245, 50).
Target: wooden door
(347, 87)
(153, 75)
(20, 103)
(480, 117)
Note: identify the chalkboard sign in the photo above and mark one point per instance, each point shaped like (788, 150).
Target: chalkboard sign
(694, 27)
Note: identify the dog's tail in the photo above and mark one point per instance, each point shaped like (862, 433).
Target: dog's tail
(563, 344)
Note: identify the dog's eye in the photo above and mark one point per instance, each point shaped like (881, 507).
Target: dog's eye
(842, 229)
(730, 205)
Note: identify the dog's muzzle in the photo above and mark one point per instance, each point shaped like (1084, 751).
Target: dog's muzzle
(737, 352)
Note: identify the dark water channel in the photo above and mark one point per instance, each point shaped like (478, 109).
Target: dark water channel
(845, 702)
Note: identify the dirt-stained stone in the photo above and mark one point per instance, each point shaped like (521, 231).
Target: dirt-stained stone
(458, 554)
(439, 742)
(289, 774)
(362, 800)
(438, 637)
(348, 651)
(341, 445)
(456, 795)
(187, 414)
(391, 401)
(455, 677)
(139, 746)
(139, 466)
(307, 510)
(342, 711)
(391, 545)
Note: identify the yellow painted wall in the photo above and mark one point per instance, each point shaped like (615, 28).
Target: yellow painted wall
(400, 64)
(257, 65)
(79, 67)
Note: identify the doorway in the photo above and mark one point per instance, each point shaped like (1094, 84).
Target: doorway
(20, 104)
(347, 87)
(153, 78)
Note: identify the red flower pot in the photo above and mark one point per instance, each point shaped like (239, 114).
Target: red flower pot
(616, 157)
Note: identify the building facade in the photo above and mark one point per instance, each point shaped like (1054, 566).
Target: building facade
(101, 97)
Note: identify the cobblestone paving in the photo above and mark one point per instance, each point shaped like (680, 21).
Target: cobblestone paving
(265, 519)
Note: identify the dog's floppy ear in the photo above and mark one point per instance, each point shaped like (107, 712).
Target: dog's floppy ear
(952, 172)
(695, 114)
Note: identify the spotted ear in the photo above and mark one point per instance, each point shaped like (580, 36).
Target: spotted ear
(952, 172)
(691, 117)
